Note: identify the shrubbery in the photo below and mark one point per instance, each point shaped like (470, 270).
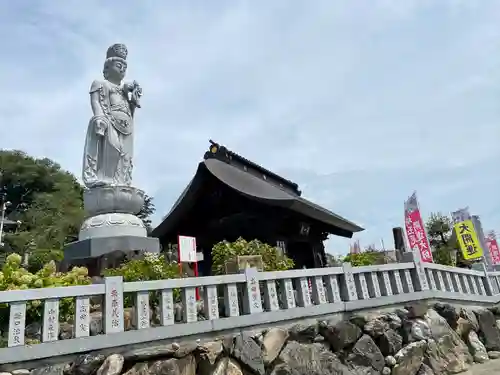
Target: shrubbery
(272, 258)
(15, 277)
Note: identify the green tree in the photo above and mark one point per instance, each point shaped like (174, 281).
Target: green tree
(147, 210)
(439, 231)
(44, 198)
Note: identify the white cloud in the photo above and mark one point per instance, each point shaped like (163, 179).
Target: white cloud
(325, 91)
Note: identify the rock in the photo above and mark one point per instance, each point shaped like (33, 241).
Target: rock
(138, 369)
(164, 367)
(208, 353)
(402, 313)
(308, 359)
(5, 373)
(495, 310)
(187, 365)
(476, 347)
(420, 330)
(149, 353)
(184, 349)
(112, 365)
(50, 370)
(273, 342)
(493, 354)
(409, 359)
(390, 361)
(304, 332)
(34, 331)
(365, 356)
(390, 342)
(340, 334)
(464, 326)
(425, 370)
(448, 312)
(469, 315)
(488, 328)
(227, 366)
(376, 327)
(65, 331)
(395, 322)
(86, 364)
(96, 326)
(446, 353)
(248, 353)
(386, 371)
(417, 310)
(21, 371)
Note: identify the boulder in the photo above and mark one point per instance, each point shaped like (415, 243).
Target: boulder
(308, 359)
(112, 365)
(425, 370)
(340, 334)
(273, 342)
(416, 310)
(446, 353)
(86, 364)
(469, 315)
(227, 366)
(138, 369)
(208, 354)
(163, 367)
(409, 359)
(476, 347)
(50, 370)
(420, 330)
(494, 354)
(488, 328)
(448, 312)
(376, 327)
(248, 353)
(304, 332)
(390, 342)
(365, 357)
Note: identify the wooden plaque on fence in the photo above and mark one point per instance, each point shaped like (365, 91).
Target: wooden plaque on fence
(239, 263)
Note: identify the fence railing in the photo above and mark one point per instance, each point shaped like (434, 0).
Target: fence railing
(229, 302)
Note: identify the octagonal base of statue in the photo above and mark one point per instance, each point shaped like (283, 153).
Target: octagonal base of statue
(105, 199)
(112, 225)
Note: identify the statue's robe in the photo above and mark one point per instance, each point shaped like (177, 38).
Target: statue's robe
(108, 152)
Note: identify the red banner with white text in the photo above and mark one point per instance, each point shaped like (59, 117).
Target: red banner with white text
(415, 230)
(491, 243)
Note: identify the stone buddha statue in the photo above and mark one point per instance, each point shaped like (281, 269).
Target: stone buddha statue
(109, 148)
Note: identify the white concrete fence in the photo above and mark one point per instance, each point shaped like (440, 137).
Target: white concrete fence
(287, 296)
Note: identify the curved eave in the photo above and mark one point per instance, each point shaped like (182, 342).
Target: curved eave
(256, 189)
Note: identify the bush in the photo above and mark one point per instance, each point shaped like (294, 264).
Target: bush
(272, 258)
(38, 258)
(150, 267)
(15, 277)
(366, 258)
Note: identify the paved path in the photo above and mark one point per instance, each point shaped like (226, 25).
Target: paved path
(491, 367)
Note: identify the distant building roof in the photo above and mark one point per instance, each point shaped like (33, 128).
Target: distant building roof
(256, 183)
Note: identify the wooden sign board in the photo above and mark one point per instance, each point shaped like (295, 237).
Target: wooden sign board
(240, 263)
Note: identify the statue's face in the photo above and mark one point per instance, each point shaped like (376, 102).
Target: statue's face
(117, 69)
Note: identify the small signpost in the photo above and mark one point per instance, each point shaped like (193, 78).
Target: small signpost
(187, 254)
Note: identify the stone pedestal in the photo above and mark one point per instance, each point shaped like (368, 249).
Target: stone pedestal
(111, 232)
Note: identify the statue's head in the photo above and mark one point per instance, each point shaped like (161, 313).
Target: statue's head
(115, 65)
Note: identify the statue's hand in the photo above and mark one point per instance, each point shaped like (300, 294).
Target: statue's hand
(100, 127)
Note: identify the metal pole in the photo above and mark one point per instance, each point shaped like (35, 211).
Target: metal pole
(1, 221)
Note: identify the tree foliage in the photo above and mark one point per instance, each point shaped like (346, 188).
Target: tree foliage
(272, 257)
(439, 231)
(365, 258)
(148, 209)
(44, 198)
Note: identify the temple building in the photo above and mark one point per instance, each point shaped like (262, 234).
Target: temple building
(231, 197)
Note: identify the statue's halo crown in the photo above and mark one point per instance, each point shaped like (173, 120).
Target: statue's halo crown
(117, 50)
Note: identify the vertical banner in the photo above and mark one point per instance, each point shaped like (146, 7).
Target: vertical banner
(492, 245)
(468, 240)
(415, 229)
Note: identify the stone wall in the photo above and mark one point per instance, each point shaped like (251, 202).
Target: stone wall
(418, 339)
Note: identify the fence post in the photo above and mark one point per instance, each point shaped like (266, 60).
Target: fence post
(252, 301)
(487, 281)
(113, 304)
(418, 275)
(348, 287)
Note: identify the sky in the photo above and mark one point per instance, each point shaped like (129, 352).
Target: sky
(360, 102)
